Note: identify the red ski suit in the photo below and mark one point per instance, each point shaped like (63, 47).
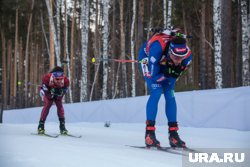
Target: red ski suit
(49, 98)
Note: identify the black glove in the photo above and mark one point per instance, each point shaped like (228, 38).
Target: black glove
(65, 90)
(56, 92)
(175, 71)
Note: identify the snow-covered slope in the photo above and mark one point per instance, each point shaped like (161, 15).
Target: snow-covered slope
(103, 147)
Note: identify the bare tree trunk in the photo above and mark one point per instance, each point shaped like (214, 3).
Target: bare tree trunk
(105, 48)
(1, 112)
(4, 69)
(139, 80)
(66, 50)
(249, 26)
(11, 77)
(202, 60)
(132, 40)
(96, 50)
(226, 45)
(27, 57)
(58, 30)
(117, 78)
(245, 42)
(94, 82)
(20, 74)
(210, 69)
(113, 46)
(169, 18)
(51, 34)
(9, 72)
(36, 70)
(31, 73)
(140, 25)
(16, 57)
(238, 58)
(84, 43)
(124, 69)
(165, 13)
(72, 52)
(54, 47)
(217, 44)
(44, 34)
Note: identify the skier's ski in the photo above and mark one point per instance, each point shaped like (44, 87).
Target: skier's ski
(182, 151)
(70, 135)
(174, 150)
(45, 134)
(178, 151)
(164, 149)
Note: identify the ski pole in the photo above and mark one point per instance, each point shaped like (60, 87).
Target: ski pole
(115, 60)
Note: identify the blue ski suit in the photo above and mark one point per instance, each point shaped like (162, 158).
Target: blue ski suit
(161, 74)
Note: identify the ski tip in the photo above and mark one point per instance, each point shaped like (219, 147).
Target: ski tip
(70, 135)
(145, 147)
(45, 134)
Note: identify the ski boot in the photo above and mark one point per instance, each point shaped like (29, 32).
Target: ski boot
(40, 128)
(63, 130)
(174, 139)
(150, 138)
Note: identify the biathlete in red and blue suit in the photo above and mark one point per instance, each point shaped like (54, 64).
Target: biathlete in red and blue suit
(164, 58)
(54, 86)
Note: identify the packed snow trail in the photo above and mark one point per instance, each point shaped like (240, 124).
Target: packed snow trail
(102, 146)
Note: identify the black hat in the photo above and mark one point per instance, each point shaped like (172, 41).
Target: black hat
(57, 69)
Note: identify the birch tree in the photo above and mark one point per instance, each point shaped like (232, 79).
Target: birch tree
(165, 13)
(54, 50)
(217, 43)
(105, 34)
(238, 56)
(84, 44)
(66, 48)
(58, 31)
(133, 90)
(113, 45)
(72, 52)
(245, 43)
(169, 17)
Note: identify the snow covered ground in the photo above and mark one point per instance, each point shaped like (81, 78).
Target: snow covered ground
(101, 146)
(211, 110)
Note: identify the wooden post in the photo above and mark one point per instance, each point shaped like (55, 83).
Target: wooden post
(1, 112)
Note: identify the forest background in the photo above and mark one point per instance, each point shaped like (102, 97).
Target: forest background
(37, 35)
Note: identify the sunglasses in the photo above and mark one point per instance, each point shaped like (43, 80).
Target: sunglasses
(176, 58)
(58, 78)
